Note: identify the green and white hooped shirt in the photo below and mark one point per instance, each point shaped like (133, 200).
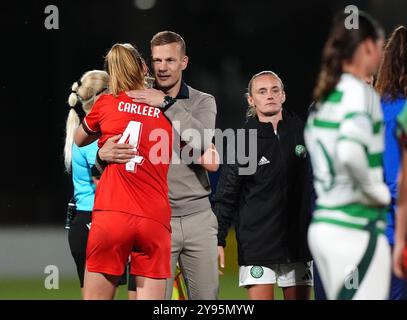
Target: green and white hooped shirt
(351, 112)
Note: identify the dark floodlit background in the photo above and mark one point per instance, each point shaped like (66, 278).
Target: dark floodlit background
(227, 41)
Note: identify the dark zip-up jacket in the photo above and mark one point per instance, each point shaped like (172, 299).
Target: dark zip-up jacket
(272, 207)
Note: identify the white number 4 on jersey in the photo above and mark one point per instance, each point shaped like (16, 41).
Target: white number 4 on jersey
(132, 135)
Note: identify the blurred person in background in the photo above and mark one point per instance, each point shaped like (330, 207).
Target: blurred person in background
(400, 247)
(344, 136)
(391, 84)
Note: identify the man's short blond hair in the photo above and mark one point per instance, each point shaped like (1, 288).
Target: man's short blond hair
(167, 37)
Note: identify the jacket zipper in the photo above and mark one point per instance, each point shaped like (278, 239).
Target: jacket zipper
(285, 193)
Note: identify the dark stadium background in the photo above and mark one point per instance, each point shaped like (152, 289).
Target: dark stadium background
(227, 41)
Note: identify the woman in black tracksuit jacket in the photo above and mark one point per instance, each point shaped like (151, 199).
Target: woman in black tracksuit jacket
(271, 208)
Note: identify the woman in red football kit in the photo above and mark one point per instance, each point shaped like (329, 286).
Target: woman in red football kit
(131, 211)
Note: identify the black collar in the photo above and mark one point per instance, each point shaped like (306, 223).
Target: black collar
(265, 129)
(183, 91)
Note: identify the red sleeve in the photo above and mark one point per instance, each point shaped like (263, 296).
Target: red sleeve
(91, 123)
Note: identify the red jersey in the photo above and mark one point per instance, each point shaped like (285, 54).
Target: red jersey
(140, 186)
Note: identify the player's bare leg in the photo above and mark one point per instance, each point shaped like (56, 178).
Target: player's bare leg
(150, 289)
(98, 286)
(132, 295)
(260, 292)
(297, 293)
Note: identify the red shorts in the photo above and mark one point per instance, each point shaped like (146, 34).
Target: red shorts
(114, 235)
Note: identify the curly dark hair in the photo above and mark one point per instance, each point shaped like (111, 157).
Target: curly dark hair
(392, 77)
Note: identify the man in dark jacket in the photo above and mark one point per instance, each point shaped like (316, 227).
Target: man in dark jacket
(271, 207)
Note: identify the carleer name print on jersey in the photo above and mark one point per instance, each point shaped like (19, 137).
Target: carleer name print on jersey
(144, 110)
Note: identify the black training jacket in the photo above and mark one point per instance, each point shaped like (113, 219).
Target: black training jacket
(272, 207)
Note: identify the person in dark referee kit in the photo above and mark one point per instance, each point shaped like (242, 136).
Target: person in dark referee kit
(271, 207)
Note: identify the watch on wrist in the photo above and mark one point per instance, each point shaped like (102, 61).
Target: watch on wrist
(100, 162)
(168, 100)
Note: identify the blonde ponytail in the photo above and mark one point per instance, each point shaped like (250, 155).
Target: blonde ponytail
(73, 97)
(84, 92)
(126, 68)
(72, 123)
